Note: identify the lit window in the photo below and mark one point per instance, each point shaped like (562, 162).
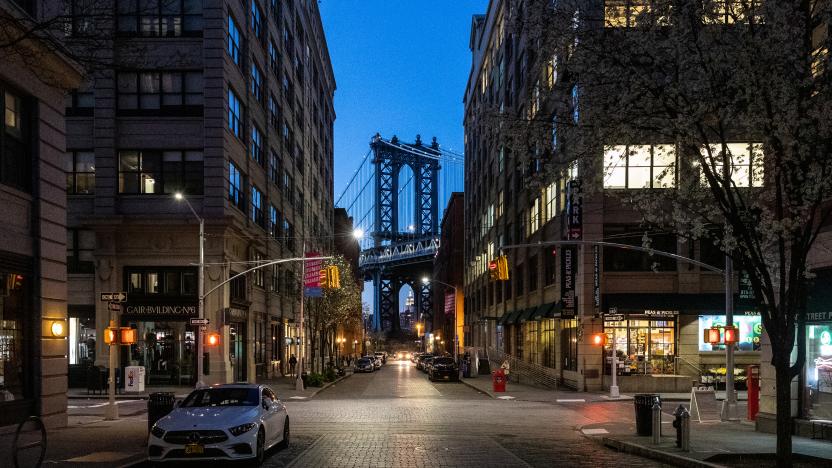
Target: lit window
(551, 194)
(639, 166)
(235, 113)
(732, 11)
(534, 216)
(746, 163)
(80, 172)
(234, 40)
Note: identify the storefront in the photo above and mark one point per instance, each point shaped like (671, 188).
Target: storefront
(17, 365)
(160, 303)
(644, 342)
(817, 376)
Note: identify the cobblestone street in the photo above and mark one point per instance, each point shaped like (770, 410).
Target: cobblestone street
(396, 417)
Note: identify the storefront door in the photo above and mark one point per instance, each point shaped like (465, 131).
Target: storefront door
(237, 350)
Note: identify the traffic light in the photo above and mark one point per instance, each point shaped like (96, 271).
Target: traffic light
(212, 339)
(330, 277)
(111, 335)
(502, 268)
(599, 339)
(730, 335)
(712, 335)
(493, 274)
(127, 336)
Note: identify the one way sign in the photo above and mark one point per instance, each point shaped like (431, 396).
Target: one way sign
(114, 297)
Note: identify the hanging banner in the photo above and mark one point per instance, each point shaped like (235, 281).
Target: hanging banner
(596, 278)
(574, 214)
(312, 276)
(568, 275)
(450, 303)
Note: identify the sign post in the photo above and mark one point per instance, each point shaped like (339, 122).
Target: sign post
(114, 300)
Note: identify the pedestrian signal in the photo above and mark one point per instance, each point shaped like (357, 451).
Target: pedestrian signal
(599, 339)
(493, 274)
(212, 339)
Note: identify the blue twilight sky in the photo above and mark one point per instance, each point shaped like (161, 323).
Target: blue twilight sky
(400, 67)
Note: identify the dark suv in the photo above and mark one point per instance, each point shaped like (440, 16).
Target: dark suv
(420, 361)
(442, 368)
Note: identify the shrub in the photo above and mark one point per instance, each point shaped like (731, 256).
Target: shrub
(315, 379)
(330, 374)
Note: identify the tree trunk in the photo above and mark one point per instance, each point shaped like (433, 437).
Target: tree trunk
(784, 405)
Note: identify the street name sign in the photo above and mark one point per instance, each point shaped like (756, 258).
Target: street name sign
(114, 306)
(199, 321)
(114, 297)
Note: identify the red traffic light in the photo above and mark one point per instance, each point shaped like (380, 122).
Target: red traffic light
(212, 339)
(712, 335)
(492, 265)
(599, 339)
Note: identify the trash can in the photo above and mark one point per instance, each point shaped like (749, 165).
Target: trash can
(644, 412)
(466, 368)
(158, 406)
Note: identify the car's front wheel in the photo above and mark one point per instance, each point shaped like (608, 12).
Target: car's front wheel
(261, 447)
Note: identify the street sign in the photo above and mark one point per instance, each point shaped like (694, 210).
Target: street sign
(114, 306)
(114, 297)
(199, 321)
(203, 328)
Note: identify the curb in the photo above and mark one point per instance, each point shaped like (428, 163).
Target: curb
(647, 452)
(487, 392)
(329, 384)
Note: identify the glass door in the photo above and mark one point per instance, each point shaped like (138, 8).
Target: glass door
(237, 350)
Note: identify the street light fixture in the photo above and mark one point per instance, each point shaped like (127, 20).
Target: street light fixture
(200, 285)
(358, 233)
(426, 280)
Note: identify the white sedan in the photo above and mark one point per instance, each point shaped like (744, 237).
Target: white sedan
(222, 422)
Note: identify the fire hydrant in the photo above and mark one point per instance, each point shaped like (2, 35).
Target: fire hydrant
(681, 422)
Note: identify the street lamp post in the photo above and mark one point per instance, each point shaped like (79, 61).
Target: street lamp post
(200, 289)
(426, 280)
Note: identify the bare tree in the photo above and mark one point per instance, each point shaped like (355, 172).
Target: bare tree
(728, 104)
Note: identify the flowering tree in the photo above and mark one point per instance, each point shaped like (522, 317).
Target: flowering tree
(710, 118)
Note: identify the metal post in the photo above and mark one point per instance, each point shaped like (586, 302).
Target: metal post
(456, 328)
(302, 345)
(614, 387)
(657, 423)
(112, 409)
(729, 406)
(685, 416)
(201, 291)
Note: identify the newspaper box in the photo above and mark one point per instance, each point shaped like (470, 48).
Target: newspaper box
(134, 379)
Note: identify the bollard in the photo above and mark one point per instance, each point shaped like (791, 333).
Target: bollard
(657, 423)
(685, 423)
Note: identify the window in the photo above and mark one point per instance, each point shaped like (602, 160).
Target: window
(625, 13)
(80, 19)
(256, 20)
(159, 18)
(569, 344)
(80, 172)
(634, 260)
(501, 160)
(80, 246)
(576, 94)
(289, 232)
(235, 40)
(551, 194)
(732, 11)
(274, 286)
(235, 186)
(15, 152)
(746, 163)
(639, 166)
(550, 265)
(256, 82)
(154, 171)
(161, 280)
(235, 114)
(500, 203)
(534, 217)
(257, 213)
(274, 221)
(259, 275)
(80, 102)
(256, 149)
(273, 112)
(237, 288)
(274, 167)
(533, 263)
(552, 72)
(154, 93)
(273, 61)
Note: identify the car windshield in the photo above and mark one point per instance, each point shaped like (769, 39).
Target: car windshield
(221, 397)
(444, 360)
(363, 361)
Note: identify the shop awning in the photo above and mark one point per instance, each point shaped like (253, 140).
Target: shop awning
(511, 317)
(527, 315)
(504, 319)
(544, 311)
(683, 303)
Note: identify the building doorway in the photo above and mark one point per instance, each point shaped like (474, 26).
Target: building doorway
(237, 350)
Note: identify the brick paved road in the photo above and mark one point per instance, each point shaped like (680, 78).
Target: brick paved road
(395, 417)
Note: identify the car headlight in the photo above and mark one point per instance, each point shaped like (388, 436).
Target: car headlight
(242, 429)
(157, 431)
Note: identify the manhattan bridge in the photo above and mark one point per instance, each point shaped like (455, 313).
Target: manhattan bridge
(396, 198)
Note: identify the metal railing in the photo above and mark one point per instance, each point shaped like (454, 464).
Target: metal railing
(524, 371)
(697, 371)
(399, 251)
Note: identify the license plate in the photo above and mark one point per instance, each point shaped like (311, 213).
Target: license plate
(194, 449)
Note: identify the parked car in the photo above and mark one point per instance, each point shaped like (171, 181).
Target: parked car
(420, 361)
(427, 362)
(443, 368)
(376, 360)
(365, 365)
(382, 355)
(415, 356)
(223, 422)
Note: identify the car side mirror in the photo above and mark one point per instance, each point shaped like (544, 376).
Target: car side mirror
(177, 403)
(265, 405)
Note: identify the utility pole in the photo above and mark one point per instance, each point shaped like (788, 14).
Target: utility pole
(299, 380)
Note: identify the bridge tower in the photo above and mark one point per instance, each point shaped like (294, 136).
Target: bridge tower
(399, 256)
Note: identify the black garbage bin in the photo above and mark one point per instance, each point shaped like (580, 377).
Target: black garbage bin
(644, 412)
(158, 406)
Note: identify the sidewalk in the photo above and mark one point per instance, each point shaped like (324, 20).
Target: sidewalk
(712, 444)
(285, 387)
(523, 392)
